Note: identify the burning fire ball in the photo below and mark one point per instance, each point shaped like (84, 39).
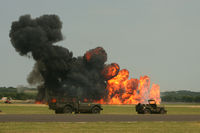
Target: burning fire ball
(58, 73)
(110, 71)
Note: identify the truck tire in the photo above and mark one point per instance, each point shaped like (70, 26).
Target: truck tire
(162, 111)
(59, 111)
(96, 110)
(147, 111)
(139, 112)
(67, 110)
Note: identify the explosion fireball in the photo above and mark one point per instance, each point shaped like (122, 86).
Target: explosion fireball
(57, 73)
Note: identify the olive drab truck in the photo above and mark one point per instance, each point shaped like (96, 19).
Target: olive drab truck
(69, 105)
(150, 108)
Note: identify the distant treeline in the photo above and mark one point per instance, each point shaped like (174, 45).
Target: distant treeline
(18, 93)
(180, 96)
(31, 93)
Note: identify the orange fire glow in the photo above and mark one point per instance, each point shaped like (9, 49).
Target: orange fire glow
(110, 71)
(53, 100)
(38, 102)
(92, 53)
(41, 102)
(122, 90)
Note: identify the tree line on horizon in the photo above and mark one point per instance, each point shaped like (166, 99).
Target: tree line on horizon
(169, 96)
(18, 93)
(180, 96)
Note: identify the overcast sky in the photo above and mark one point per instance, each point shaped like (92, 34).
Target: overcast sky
(158, 38)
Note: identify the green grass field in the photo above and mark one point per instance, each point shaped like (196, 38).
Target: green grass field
(107, 109)
(98, 127)
(25, 109)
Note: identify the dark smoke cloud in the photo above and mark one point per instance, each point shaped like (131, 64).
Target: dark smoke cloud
(35, 78)
(28, 35)
(56, 71)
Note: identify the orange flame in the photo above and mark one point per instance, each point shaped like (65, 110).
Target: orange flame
(38, 102)
(41, 102)
(155, 93)
(110, 71)
(122, 90)
(53, 100)
(93, 52)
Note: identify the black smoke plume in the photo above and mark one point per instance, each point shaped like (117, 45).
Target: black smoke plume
(56, 72)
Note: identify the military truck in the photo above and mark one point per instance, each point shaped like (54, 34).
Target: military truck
(150, 108)
(69, 105)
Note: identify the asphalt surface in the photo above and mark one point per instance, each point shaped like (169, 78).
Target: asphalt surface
(94, 118)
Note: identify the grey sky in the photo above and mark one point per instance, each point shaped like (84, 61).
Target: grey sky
(158, 38)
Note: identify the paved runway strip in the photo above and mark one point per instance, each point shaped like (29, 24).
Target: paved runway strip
(94, 118)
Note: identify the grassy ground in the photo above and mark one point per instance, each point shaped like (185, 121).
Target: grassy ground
(183, 110)
(108, 109)
(25, 109)
(101, 127)
(98, 127)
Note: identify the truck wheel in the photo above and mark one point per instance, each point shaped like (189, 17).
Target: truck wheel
(162, 111)
(58, 111)
(67, 110)
(139, 112)
(147, 111)
(76, 112)
(96, 110)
